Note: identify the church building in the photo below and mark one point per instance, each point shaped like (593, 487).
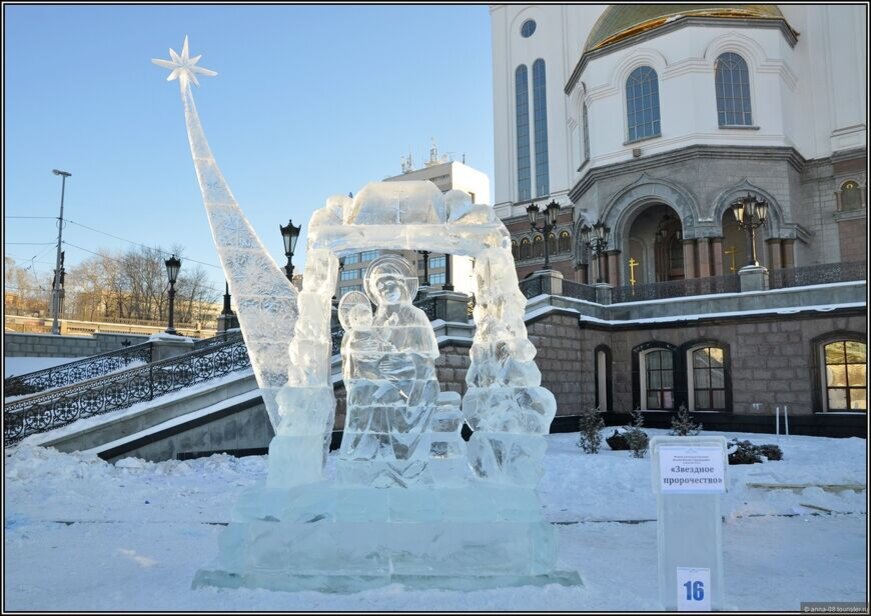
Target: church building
(646, 125)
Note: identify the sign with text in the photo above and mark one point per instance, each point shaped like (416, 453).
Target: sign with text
(693, 589)
(691, 470)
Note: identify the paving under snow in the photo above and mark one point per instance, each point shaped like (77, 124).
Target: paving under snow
(82, 534)
(16, 366)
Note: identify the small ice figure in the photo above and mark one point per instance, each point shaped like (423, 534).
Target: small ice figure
(389, 370)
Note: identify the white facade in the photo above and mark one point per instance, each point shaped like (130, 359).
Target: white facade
(805, 142)
(811, 96)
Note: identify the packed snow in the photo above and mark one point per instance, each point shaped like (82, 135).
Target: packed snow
(82, 534)
(16, 366)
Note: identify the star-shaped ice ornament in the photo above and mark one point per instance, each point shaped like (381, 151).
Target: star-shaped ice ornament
(183, 66)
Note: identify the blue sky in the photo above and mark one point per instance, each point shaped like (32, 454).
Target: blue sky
(309, 101)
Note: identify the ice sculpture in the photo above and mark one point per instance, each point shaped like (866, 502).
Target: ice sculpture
(411, 501)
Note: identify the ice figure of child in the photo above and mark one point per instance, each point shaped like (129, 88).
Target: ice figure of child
(389, 370)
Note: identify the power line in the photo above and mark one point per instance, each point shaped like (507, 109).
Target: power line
(138, 244)
(207, 286)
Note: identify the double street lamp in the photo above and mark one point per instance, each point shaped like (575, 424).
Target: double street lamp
(551, 211)
(596, 239)
(173, 264)
(750, 212)
(290, 234)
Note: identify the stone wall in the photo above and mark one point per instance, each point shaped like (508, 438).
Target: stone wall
(772, 358)
(853, 239)
(49, 345)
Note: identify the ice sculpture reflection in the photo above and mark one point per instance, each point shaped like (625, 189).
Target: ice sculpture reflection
(411, 501)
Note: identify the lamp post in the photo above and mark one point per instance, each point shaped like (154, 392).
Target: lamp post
(596, 239)
(425, 255)
(550, 215)
(56, 290)
(290, 234)
(750, 212)
(173, 264)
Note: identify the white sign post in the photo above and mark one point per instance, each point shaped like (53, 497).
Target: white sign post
(689, 478)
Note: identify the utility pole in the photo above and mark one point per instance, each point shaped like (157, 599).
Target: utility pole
(56, 291)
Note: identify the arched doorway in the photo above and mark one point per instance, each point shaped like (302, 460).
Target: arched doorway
(655, 245)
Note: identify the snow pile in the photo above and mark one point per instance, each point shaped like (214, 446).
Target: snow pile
(87, 535)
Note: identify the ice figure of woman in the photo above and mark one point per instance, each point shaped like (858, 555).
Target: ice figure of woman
(390, 378)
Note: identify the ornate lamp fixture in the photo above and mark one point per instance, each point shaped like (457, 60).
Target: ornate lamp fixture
(750, 212)
(551, 212)
(173, 265)
(290, 234)
(596, 239)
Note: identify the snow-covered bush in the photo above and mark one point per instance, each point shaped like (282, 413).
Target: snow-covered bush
(682, 424)
(589, 425)
(635, 436)
(745, 452)
(617, 441)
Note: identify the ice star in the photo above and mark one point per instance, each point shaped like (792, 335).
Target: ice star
(183, 65)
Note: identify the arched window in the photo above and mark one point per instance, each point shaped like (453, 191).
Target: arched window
(539, 109)
(525, 248)
(733, 91)
(642, 104)
(845, 376)
(565, 242)
(538, 246)
(657, 379)
(706, 376)
(551, 243)
(528, 28)
(586, 133)
(515, 250)
(850, 197)
(521, 91)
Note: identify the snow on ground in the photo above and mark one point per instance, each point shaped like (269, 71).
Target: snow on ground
(82, 534)
(16, 366)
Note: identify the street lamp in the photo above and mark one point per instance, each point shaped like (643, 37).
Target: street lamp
(425, 255)
(750, 212)
(550, 215)
(56, 291)
(290, 234)
(596, 239)
(173, 264)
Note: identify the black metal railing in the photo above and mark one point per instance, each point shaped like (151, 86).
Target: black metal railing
(817, 274)
(579, 290)
(76, 371)
(676, 288)
(218, 338)
(531, 287)
(62, 406)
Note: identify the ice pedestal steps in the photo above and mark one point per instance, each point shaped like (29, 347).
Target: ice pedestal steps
(338, 538)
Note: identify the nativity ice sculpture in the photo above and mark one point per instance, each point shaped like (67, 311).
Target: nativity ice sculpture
(411, 501)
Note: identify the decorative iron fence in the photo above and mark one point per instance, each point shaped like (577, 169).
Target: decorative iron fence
(218, 338)
(676, 288)
(76, 371)
(817, 274)
(579, 290)
(531, 287)
(62, 406)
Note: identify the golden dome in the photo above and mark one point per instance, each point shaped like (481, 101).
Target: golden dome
(620, 21)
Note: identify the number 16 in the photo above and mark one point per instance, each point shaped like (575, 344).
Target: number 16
(695, 591)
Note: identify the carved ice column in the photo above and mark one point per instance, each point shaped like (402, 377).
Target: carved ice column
(307, 404)
(505, 404)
